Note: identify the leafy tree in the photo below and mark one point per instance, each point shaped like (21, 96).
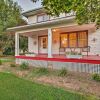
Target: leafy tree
(10, 16)
(87, 11)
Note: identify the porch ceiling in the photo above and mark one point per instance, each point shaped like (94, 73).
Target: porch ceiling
(89, 27)
(33, 33)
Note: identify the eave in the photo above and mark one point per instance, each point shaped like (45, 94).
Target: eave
(50, 23)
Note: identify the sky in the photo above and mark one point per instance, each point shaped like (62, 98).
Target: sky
(28, 4)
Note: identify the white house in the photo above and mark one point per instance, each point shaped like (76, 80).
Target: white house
(58, 41)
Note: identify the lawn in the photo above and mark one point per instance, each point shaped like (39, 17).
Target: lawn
(14, 88)
(7, 60)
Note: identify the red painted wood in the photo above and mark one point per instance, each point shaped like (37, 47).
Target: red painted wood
(83, 60)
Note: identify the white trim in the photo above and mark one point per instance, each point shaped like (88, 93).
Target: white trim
(16, 44)
(49, 43)
(41, 24)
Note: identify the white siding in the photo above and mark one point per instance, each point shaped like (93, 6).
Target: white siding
(95, 46)
(32, 19)
(33, 44)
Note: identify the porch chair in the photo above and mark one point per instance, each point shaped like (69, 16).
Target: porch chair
(62, 50)
(86, 49)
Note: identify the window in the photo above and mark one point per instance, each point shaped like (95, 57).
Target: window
(75, 39)
(46, 17)
(72, 39)
(82, 39)
(44, 42)
(42, 17)
(64, 40)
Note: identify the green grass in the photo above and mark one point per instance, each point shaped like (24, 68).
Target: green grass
(3, 60)
(14, 88)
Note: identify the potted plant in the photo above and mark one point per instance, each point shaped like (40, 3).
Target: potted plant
(73, 55)
(32, 54)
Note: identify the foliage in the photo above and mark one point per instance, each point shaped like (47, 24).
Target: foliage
(10, 16)
(73, 53)
(23, 43)
(14, 88)
(63, 72)
(96, 77)
(7, 59)
(87, 11)
(0, 62)
(24, 65)
(7, 44)
(42, 70)
(12, 65)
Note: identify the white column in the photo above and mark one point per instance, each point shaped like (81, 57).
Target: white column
(16, 44)
(49, 43)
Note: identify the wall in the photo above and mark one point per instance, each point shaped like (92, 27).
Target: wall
(94, 45)
(33, 44)
(76, 67)
(32, 19)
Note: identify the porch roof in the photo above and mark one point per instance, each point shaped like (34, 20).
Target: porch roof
(46, 24)
(33, 12)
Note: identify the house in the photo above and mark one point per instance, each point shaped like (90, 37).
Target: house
(52, 40)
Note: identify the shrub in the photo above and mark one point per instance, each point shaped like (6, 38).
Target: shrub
(96, 77)
(12, 65)
(43, 70)
(63, 72)
(0, 62)
(24, 65)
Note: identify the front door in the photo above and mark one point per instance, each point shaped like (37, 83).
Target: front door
(43, 44)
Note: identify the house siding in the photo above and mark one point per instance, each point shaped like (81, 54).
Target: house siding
(94, 45)
(33, 44)
(32, 19)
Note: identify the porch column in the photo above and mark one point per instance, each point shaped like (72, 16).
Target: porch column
(49, 43)
(16, 44)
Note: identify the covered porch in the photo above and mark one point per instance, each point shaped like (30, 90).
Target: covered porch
(51, 46)
(57, 42)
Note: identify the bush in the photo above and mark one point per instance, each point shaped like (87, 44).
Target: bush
(0, 62)
(24, 65)
(12, 65)
(43, 70)
(63, 72)
(96, 77)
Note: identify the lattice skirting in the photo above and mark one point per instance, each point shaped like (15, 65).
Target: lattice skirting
(79, 67)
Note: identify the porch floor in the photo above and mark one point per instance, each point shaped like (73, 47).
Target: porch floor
(63, 58)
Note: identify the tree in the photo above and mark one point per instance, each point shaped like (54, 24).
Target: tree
(10, 16)
(87, 11)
